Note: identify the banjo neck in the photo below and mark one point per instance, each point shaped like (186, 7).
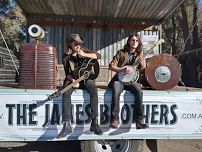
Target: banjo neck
(157, 43)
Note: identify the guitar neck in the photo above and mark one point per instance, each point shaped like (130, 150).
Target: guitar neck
(72, 84)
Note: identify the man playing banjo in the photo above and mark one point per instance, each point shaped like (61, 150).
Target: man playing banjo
(128, 61)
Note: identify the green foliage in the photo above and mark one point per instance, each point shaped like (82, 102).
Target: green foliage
(4, 3)
(11, 25)
(169, 35)
(174, 31)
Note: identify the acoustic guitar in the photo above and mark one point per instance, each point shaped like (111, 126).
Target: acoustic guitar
(133, 76)
(88, 70)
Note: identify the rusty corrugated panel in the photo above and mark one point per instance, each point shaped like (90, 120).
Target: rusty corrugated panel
(37, 66)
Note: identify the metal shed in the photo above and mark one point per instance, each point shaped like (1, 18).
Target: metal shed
(149, 11)
(104, 24)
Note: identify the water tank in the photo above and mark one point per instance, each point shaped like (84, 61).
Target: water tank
(37, 66)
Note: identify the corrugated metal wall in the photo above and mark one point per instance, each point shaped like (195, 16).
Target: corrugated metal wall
(105, 41)
(8, 65)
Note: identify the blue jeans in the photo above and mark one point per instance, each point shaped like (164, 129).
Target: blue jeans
(136, 90)
(90, 86)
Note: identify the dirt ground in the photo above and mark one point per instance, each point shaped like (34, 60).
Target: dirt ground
(187, 145)
(149, 146)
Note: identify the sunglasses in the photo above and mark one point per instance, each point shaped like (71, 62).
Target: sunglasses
(76, 43)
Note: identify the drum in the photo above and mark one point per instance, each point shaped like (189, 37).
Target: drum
(163, 72)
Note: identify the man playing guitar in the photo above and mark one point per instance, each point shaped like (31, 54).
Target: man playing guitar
(72, 59)
(126, 61)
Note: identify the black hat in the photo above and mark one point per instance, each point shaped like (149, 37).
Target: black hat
(76, 37)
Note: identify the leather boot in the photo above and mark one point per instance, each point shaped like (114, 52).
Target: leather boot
(94, 127)
(66, 129)
(141, 125)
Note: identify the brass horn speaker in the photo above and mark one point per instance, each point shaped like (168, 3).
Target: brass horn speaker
(36, 31)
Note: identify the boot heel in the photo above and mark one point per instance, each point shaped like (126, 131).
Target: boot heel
(66, 130)
(94, 127)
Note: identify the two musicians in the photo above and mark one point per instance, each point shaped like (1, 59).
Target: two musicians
(73, 58)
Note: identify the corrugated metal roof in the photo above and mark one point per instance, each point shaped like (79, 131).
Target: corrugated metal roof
(129, 10)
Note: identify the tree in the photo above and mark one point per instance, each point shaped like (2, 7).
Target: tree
(12, 23)
(181, 31)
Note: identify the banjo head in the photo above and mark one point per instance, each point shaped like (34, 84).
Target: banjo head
(129, 78)
(163, 72)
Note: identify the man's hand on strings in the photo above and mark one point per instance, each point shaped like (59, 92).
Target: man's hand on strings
(127, 69)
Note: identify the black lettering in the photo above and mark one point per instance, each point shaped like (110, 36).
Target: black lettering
(47, 115)
(72, 113)
(200, 116)
(153, 114)
(132, 109)
(147, 113)
(184, 116)
(32, 114)
(164, 114)
(143, 115)
(21, 114)
(172, 110)
(55, 118)
(125, 114)
(10, 113)
(104, 114)
(78, 113)
(88, 112)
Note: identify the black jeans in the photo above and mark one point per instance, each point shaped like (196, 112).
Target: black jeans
(136, 90)
(90, 86)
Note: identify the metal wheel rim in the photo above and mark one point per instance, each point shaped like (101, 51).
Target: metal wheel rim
(112, 146)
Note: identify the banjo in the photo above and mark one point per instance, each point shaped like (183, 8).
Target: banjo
(134, 74)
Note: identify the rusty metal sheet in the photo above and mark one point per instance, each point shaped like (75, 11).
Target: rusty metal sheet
(163, 72)
(37, 66)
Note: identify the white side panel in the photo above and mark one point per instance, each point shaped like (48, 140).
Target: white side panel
(171, 115)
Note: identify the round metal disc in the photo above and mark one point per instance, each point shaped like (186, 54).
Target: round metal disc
(163, 72)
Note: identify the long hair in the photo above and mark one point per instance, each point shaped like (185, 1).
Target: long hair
(139, 48)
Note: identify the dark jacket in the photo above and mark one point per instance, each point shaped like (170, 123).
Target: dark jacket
(68, 64)
(120, 60)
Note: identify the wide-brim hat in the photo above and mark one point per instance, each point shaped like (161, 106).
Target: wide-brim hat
(76, 37)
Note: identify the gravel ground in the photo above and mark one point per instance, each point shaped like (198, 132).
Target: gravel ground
(67, 146)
